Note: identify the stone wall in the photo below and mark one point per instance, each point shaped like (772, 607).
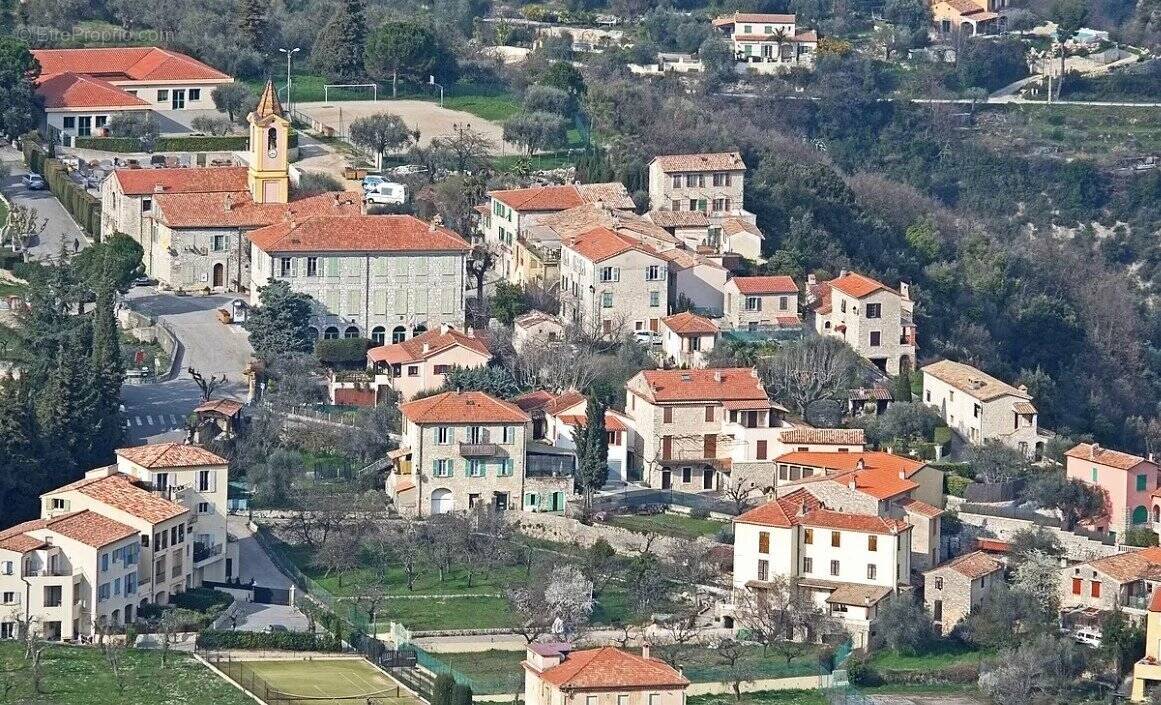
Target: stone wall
(561, 529)
(1076, 548)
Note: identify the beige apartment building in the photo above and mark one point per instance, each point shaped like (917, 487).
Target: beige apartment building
(372, 276)
(554, 674)
(712, 184)
(463, 449)
(611, 284)
(981, 408)
(762, 303)
(696, 426)
(875, 320)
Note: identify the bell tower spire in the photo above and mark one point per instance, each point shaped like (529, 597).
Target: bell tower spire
(269, 173)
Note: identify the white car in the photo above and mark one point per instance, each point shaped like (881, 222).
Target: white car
(409, 169)
(1088, 637)
(647, 337)
(387, 193)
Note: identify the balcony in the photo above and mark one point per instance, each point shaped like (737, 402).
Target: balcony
(205, 552)
(1137, 602)
(177, 570)
(478, 450)
(706, 456)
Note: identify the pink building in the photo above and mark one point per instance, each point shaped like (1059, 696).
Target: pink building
(1128, 481)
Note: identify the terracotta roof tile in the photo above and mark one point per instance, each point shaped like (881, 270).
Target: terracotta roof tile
(688, 323)
(858, 594)
(679, 219)
(436, 341)
(462, 407)
(119, 491)
(737, 226)
(213, 179)
(994, 545)
(534, 400)
(90, 528)
(127, 64)
(612, 421)
(972, 565)
(857, 285)
(563, 401)
(845, 521)
(610, 668)
(1093, 453)
(357, 233)
(569, 224)
(971, 381)
(716, 161)
(534, 317)
(756, 17)
(15, 539)
(170, 455)
(1134, 565)
(227, 407)
(268, 103)
(802, 508)
(720, 385)
(613, 194)
(238, 209)
(825, 436)
(71, 90)
(882, 475)
(599, 244)
(540, 198)
(779, 284)
(682, 259)
(915, 506)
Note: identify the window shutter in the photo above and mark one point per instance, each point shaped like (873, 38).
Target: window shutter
(449, 301)
(399, 266)
(353, 266)
(379, 267)
(354, 303)
(401, 301)
(379, 301)
(421, 300)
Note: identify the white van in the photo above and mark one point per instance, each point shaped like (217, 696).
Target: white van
(387, 193)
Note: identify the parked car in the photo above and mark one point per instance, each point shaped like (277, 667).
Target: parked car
(387, 192)
(144, 281)
(1088, 637)
(647, 337)
(33, 182)
(370, 181)
(409, 169)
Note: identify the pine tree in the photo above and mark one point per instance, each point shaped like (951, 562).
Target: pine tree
(109, 370)
(338, 49)
(254, 22)
(67, 408)
(21, 475)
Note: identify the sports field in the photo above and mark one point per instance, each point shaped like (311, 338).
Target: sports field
(431, 120)
(331, 682)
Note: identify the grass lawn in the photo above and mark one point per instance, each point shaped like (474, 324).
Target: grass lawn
(668, 524)
(314, 680)
(763, 697)
(492, 672)
(489, 107)
(77, 675)
(941, 657)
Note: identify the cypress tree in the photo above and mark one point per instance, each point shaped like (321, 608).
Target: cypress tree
(338, 49)
(66, 409)
(461, 694)
(253, 22)
(441, 692)
(109, 371)
(21, 475)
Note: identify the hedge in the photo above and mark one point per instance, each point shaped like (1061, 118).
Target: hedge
(279, 641)
(84, 207)
(343, 351)
(185, 143)
(956, 485)
(202, 599)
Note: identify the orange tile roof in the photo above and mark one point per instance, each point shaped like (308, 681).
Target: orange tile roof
(357, 233)
(427, 345)
(227, 407)
(720, 385)
(809, 35)
(1134, 565)
(972, 381)
(915, 506)
(995, 545)
(15, 539)
(72, 90)
(534, 400)
(211, 179)
(1155, 602)
(1091, 452)
(847, 462)
(118, 491)
(170, 455)
(802, 508)
(779, 284)
(756, 17)
(612, 422)
(857, 285)
(236, 209)
(462, 407)
(601, 243)
(127, 64)
(610, 193)
(688, 323)
(972, 565)
(825, 436)
(845, 521)
(540, 198)
(679, 219)
(268, 103)
(610, 668)
(565, 400)
(716, 161)
(737, 226)
(90, 528)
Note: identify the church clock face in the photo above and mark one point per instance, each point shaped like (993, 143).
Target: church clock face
(272, 153)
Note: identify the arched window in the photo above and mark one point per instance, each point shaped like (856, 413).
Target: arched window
(378, 335)
(331, 333)
(312, 332)
(351, 332)
(1140, 515)
(272, 139)
(399, 334)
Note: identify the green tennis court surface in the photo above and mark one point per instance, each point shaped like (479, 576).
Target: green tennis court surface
(325, 682)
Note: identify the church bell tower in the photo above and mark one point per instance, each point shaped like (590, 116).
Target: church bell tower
(269, 174)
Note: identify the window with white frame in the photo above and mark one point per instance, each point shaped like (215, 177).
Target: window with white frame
(442, 467)
(753, 303)
(509, 435)
(284, 266)
(219, 243)
(443, 435)
(610, 274)
(607, 299)
(654, 298)
(654, 273)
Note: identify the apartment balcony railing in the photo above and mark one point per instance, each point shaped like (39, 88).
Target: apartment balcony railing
(478, 450)
(693, 455)
(48, 573)
(204, 551)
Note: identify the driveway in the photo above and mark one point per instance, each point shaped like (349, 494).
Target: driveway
(253, 562)
(157, 412)
(61, 228)
(255, 617)
(924, 699)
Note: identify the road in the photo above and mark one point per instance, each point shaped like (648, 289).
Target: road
(61, 228)
(253, 562)
(156, 412)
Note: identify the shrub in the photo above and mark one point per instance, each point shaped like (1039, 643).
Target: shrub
(699, 513)
(343, 351)
(203, 599)
(442, 692)
(461, 694)
(956, 485)
(1140, 536)
(860, 672)
(282, 641)
(149, 611)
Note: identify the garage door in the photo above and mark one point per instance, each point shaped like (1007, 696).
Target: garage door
(441, 501)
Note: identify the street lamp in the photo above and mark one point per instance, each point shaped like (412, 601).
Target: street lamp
(289, 53)
(431, 80)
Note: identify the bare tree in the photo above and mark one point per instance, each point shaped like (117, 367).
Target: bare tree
(738, 669)
(370, 596)
(682, 636)
(782, 617)
(740, 492)
(810, 370)
(113, 652)
(338, 554)
(322, 512)
(207, 386)
(481, 260)
(168, 625)
(24, 224)
(407, 548)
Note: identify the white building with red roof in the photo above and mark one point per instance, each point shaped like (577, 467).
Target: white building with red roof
(762, 303)
(768, 43)
(555, 674)
(562, 414)
(686, 338)
(849, 562)
(612, 284)
(83, 89)
(874, 319)
(463, 449)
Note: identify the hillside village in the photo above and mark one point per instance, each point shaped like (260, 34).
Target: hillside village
(633, 353)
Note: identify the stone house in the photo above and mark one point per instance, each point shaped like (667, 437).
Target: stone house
(612, 283)
(1128, 580)
(768, 43)
(374, 276)
(461, 449)
(536, 328)
(953, 589)
(696, 279)
(554, 674)
(875, 320)
(757, 303)
(712, 184)
(1129, 482)
(686, 339)
(981, 408)
(967, 17)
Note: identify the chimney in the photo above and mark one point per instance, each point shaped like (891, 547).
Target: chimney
(718, 376)
(905, 291)
(902, 474)
(851, 484)
(811, 280)
(444, 328)
(645, 650)
(860, 464)
(471, 331)
(1093, 450)
(1023, 388)
(426, 348)
(686, 377)
(158, 188)
(843, 273)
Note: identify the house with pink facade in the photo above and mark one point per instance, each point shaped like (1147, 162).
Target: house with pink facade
(1129, 482)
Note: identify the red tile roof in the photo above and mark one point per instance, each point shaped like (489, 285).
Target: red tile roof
(127, 64)
(688, 323)
(227, 407)
(716, 161)
(1155, 602)
(540, 198)
(846, 462)
(170, 455)
(357, 233)
(462, 407)
(915, 506)
(994, 545)
(600, 244)
(90, 528)
(238, 210)
(720, 385)
(213, 179)
(825, 436)
(1134, 565)
(268, 103)
(118, 491)
(755, 18)
(534, 400)
(612, 421)
(15, 539)
(802, 508)
(845, 521)
(565, 400)
(857, 285)
(610, 668)
(737, 226)
(1093, 453)
(972, 565)
(779, 284)
(427, 345)
(72, 90)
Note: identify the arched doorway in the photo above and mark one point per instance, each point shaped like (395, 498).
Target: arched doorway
(331, 333)
(1140, 515)
(378, 335)
(351, 332)
(442, 501)
(398, 335)
(312, 332)
(219, 277)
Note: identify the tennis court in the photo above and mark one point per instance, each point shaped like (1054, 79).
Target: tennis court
(330, 682)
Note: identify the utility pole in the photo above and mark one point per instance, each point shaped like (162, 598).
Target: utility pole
(289, 53)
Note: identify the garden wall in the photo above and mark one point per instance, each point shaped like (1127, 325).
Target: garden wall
(561, 529)
(1077, 548)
